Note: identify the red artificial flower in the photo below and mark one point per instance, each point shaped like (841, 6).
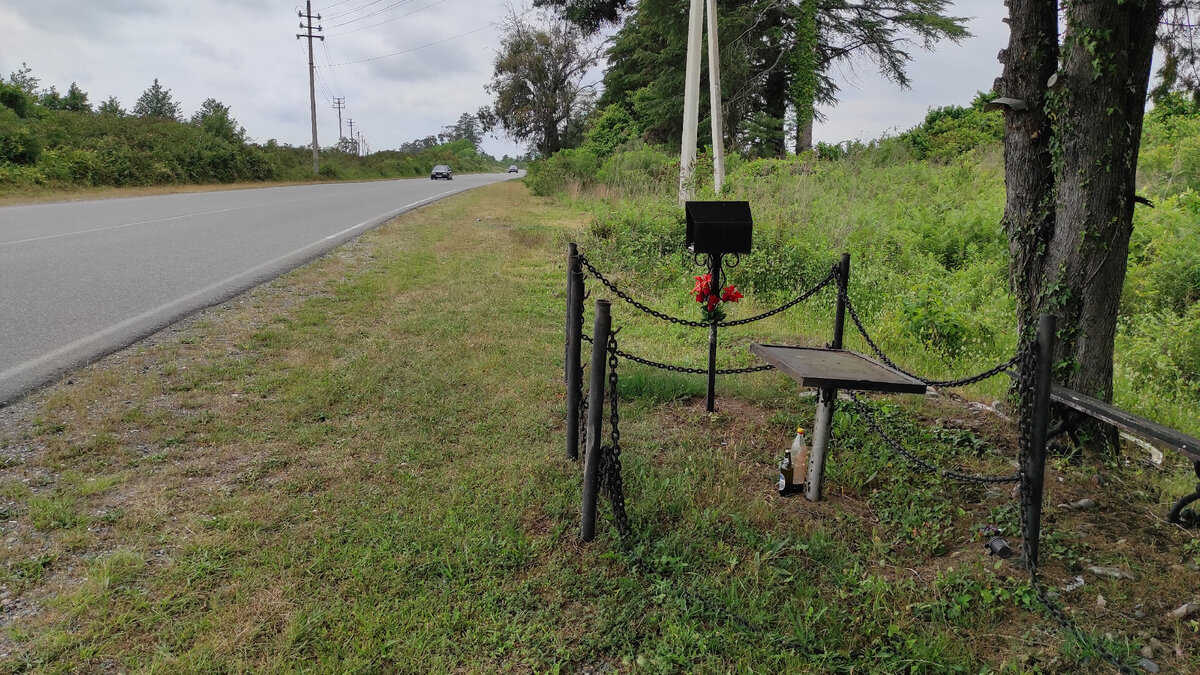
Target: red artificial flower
(702, 287)
(712, 302)
(731, 294)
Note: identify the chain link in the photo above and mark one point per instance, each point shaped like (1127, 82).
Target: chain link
(947, 384)
(924, 465)
(685, 369)
(829, 278)
(610, 455)
(703, 324)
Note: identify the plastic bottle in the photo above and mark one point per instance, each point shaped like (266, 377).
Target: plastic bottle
(797, 455)
(800, 451)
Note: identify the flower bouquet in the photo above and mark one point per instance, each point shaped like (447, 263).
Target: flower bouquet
(710, 302)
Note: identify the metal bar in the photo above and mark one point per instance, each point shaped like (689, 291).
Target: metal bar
(714, 286)
(591, 470)
(1035, 469)
(573, 371)
(827, 397)
(839, 322)
(815, 478)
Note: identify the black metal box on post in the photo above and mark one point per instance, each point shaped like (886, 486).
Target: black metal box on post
(714, 229)
(718, 227)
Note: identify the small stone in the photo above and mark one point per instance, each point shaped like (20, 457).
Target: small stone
(1154, 642)
(1073, 585)
(1083, 505)
(1110, 572)
(1183, 611)
(1139, 612)
(1147, 652)
(1148, 665)
(1101, 603)
(1192, 566)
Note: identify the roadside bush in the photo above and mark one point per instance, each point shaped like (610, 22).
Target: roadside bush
(552, 175)
(953, 130)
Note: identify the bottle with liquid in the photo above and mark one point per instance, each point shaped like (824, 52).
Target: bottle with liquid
(787, 474)
(797, 455)
(800, 452)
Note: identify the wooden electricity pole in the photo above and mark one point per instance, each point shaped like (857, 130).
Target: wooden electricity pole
(339, 104)
(691, 98)
(714, 98)
(307, 15)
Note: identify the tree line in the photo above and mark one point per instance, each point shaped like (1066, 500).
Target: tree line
(54, 139)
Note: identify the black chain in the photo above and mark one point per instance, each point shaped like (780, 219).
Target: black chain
(702, 324)
(695, 371)
(624, 296)
(962, 382)
(610, 455)
(1025, 389)
(829, 278)
(685, 369)
(924, 465)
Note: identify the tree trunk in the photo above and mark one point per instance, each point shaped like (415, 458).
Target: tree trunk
(1100, 102)
(1070, 170)
(775, 88)
(804, 73)
(1029, 61)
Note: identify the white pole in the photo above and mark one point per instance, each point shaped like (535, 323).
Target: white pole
(714, 98)
(691, 99)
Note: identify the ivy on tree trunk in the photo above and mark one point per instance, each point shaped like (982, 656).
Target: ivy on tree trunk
(1070, 170)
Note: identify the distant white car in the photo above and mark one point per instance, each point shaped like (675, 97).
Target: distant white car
(512, 168)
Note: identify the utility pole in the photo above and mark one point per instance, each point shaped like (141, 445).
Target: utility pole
(339, 104)
(691, 99)
(351, 123)
(312, 70)
(360, 144)
(714, 98)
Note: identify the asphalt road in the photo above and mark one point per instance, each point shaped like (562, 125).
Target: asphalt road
(79, 280)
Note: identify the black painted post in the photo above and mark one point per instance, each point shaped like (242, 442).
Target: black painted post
(574, 373)
(1035, 470)
(827, 398)
(839, 321)
(714, 286)
(591, 469)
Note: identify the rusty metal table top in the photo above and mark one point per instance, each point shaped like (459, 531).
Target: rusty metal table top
(836, 368)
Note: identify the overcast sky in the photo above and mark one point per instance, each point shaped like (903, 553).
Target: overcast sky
(406, 68)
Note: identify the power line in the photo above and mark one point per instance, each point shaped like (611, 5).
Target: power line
(329, 60)
(367, 16)
(340, 2)
(431, 44)
(346, 12)
(388, 20)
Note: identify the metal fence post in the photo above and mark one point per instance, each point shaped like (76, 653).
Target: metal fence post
(571, 367)
(827, 397)
(714, 287)
(1035, 469)
(591, 469)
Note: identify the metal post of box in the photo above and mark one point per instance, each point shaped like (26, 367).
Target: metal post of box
(713, 230)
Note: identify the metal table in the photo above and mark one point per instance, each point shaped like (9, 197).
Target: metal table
(829, 370)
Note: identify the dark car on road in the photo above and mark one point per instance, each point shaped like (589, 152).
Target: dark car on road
(441, 171)
(512, 168)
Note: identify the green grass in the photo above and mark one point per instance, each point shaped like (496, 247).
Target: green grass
(360, 468)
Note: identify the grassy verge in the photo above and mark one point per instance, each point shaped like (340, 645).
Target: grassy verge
(359, 467)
